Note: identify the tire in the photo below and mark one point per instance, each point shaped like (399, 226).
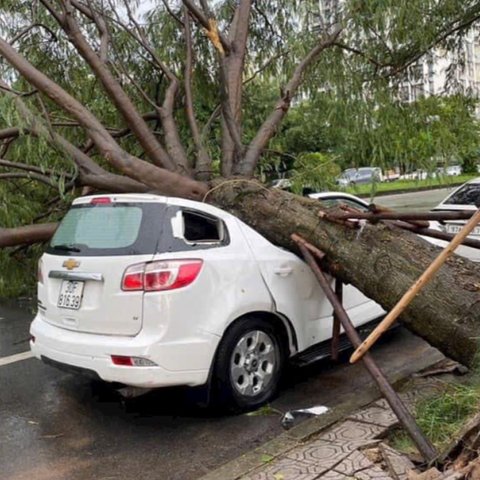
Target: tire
(248, 365)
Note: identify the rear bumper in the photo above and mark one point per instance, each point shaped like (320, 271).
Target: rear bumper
(183, 362)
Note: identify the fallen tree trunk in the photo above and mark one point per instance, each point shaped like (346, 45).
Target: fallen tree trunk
(382, 261)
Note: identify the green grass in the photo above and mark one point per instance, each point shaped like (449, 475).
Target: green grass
(442, 416)
(401, 185)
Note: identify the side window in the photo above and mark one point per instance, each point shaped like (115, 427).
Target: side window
(202, 228)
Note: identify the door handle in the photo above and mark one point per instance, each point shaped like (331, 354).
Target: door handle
(283, 271)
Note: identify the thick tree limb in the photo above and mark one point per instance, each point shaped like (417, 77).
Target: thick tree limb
(27, 235)
(165, 112)
(231, 55)
(11, 132)
(203, 162)
(158, 179)
(231, 78)
(99, 21)
(116, 93)
(446, 314)
(247, 166)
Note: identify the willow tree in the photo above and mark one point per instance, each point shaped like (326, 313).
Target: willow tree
(96, 97)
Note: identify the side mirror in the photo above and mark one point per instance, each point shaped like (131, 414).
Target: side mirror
(178, 226)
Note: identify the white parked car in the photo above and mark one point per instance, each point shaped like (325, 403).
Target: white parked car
(465, 197)
(152, 291)
(453, 170)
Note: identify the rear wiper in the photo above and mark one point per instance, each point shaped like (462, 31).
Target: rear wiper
(66, 248)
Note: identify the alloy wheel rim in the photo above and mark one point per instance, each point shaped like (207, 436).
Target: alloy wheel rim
(253, 363)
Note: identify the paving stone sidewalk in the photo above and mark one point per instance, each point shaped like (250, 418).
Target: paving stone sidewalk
(337, 453)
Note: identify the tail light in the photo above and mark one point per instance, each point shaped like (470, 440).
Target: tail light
(133, 277)
(39, 272)
(161, 275)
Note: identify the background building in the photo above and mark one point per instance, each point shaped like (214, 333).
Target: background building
(437, 73)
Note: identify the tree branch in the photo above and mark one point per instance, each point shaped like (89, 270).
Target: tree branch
(210, 25)
(247, 166)
(203, 163)
(158, 179)
(22, 33)
(172, 13)
(31, 168)
(26, 235)
(171, 135)
(12, 132)
(115, 92)
(30, 176)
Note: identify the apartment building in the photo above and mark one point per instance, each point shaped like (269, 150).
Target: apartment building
(437, 73)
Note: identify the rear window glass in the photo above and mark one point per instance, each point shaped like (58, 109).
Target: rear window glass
(110, 229)
(467, 195)
(99, 227)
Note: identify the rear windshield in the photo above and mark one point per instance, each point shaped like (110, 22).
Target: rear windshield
(467, 195)
(111, 229)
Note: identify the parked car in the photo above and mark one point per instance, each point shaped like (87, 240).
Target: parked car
(357, 176)
(417, 175)
(450, 171)
(465, 197)
(453, 170)
(151, 291)
(282, 183)
(333, 199)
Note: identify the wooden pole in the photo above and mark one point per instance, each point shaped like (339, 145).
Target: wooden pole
(336, 322)
(407, 216)
(426, 276)
(424, 446)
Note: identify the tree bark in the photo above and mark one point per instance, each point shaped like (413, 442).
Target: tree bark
(27, 235)
(380, 260)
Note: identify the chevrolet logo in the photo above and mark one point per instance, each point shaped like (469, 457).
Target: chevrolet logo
(70, 264)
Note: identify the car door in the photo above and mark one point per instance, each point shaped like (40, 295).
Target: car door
(294, 289)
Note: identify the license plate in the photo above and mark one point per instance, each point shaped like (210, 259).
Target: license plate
(456, 228)
(71, 293)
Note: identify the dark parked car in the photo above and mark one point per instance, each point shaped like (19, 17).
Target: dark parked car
(357, 176)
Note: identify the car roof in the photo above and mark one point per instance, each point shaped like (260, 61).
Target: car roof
(327, 195)
(474, 180)
(151, 198)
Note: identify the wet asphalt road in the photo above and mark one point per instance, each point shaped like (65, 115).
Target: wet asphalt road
(418, 201)
(57, 426)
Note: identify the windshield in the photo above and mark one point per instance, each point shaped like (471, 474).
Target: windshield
(468, 195)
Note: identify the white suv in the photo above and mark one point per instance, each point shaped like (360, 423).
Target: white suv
(152, 291)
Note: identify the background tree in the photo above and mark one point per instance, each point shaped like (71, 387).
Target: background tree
(97, 99)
